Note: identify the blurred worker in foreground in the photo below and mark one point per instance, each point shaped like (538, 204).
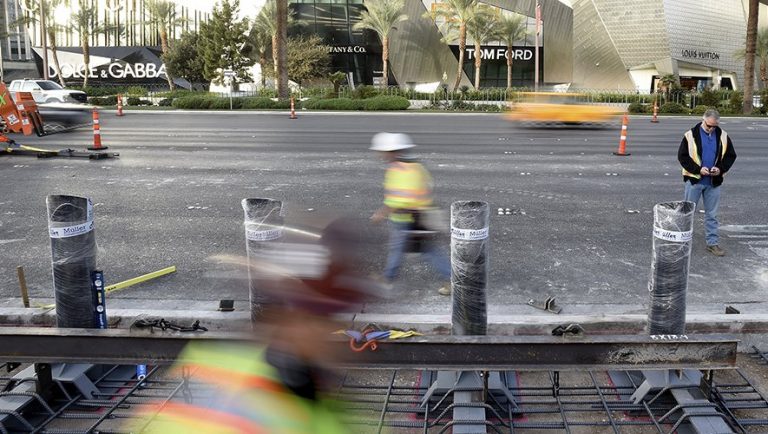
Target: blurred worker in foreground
(280, 387)
(407, 193)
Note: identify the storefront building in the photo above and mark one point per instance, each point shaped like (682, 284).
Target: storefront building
(631, 44)
(583, 44)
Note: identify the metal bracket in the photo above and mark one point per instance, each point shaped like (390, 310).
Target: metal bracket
(548, 304)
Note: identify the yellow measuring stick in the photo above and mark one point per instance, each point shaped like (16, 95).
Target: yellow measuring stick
(30, 148)
(140, 279)
(125, 283)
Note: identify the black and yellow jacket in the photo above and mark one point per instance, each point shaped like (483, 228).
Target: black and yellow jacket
(689, 155)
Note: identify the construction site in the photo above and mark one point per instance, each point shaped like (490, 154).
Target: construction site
(582, 298)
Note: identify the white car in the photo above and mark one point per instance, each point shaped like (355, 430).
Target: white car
(47, 91)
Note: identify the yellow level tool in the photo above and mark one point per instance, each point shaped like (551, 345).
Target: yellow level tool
(140, 279)
(126, 283)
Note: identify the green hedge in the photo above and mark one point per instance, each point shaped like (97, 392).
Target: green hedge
(637, 108)
(178, 93)
(377, 103)
(195, 102)
(386, 103)
(132, 100)
(700, 109)
(103, 101)
(673, 107)
(334, 104)
(258, 103)
(206, 102)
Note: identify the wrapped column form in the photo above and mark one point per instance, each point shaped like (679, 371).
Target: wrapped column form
(668, 285)
(73, 259)
(263, 225)
(469, 267)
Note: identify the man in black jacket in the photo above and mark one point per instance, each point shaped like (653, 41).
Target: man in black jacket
(706, 154)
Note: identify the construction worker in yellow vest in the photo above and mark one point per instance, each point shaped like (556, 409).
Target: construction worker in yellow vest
(236, 390)
(706, 154)
(283, 385)
(407, 191)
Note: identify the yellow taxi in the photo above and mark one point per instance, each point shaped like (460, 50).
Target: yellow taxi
(542, 108)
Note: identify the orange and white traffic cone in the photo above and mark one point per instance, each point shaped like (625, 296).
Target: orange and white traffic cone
(119, 104)
(293, 110)
(655, 118)
(623, 140)
(96, 133)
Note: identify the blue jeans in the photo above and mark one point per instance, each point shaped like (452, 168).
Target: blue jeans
(711, 196)
(398, 235)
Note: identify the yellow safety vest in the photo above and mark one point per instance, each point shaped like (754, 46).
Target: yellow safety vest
(407, 186)
(248, 398)
(694, 153)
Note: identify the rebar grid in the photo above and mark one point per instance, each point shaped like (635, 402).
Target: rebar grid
(572, 402)
(390, 401)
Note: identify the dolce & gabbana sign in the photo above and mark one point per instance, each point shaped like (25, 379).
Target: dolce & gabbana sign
(116, 70)
(129, 65)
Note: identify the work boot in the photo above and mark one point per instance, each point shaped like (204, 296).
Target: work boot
(716, 250)
(445, 289)
(385, 284)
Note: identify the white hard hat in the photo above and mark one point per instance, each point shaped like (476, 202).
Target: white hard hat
(388, 142)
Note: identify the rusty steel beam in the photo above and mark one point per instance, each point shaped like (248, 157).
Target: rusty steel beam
(121, 346)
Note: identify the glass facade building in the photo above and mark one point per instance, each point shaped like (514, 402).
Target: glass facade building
(353, 51)
(127, 22)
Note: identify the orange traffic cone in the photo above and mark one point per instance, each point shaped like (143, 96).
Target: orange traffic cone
(623, 141)
(96, 133)
(655, 118)
(293, 110)
(119, 104)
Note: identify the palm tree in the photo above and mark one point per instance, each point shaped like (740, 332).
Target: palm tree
(666, 83)
(483, 28)
(163, 14)
(381, 16)
(457, 14)
(761, 54)
(259, 39)
(749, 58)
(512, 28)
(85, 23)
(266, 23)
(48, 6)
(282, 49)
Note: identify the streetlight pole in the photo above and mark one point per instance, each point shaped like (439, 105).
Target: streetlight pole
(44, 33)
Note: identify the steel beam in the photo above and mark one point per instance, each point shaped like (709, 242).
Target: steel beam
(538, 353)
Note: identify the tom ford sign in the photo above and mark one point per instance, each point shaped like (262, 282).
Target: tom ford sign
(497, 53)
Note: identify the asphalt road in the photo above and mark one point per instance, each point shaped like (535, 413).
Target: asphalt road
(579, 226)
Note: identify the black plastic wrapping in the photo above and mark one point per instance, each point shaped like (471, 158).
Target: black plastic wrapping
(469, 267)
(668, 285)
(73, 257)
(263, 226)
